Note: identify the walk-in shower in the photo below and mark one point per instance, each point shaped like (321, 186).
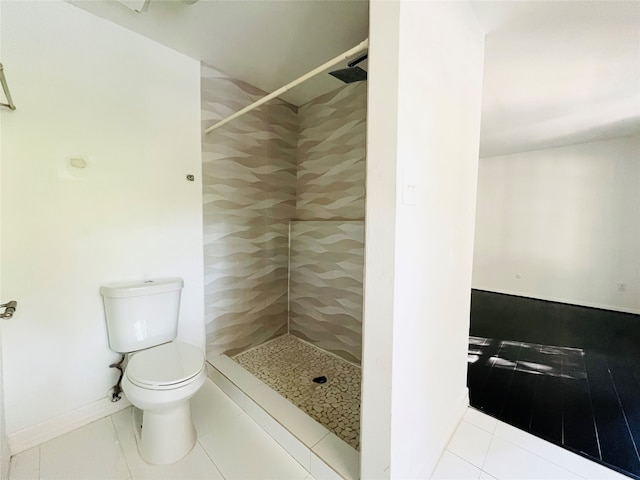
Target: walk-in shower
(284, 203)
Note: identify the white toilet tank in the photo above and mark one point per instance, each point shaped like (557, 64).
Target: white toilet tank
(142, 314)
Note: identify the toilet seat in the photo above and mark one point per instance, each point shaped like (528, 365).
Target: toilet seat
(165, 367)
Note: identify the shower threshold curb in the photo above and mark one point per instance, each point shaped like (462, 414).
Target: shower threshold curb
(322, 453)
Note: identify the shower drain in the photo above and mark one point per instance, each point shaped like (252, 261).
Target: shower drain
(321, 379)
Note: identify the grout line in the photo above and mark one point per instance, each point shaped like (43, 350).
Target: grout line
(484, 460)
(495, 420)
(39, 462)
(461, 458)
(289, 272)
(557, 462)
(624, 415)
(329, 432)
(206, 452)
(562, 392)
(322, 350)
(485, 354)
(126, 462)
(513, 374)
(545, 458)
(250, 349)
(593, 412)
(536, 384)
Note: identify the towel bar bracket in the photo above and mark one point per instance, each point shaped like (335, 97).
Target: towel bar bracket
(10, 105)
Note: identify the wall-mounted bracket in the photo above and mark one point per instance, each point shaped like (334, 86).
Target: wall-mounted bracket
(10, 105)
(9, 309)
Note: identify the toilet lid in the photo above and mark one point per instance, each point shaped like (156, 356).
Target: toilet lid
(165, 365)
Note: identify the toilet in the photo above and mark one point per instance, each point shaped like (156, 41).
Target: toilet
(161, 374)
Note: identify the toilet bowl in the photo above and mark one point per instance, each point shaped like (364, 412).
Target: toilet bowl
(160, 381)
(162, 374)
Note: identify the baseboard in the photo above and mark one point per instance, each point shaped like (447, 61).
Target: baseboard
(566, 301)
(35, 435)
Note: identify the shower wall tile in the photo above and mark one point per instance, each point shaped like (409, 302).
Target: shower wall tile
(331, 155)
(249, 185)
(325, 302)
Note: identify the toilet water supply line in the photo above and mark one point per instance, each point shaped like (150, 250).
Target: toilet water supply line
(340, 58)
(117, 389)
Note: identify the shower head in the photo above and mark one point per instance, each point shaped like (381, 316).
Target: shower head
(352, 73)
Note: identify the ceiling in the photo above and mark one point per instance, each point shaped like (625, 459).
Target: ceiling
(558, 72)
(267, 43)
(555, 72)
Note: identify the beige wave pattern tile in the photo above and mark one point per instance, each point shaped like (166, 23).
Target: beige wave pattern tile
(249, 185)
(325, 299)
(259, 172)
(331, 155)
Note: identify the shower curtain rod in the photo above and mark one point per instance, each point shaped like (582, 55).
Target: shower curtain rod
(343, 56)
(5, 87)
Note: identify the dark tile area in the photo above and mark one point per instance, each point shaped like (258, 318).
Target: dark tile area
(565, 373)
(496, 315)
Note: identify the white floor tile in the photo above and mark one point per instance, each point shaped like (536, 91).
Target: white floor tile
(92, 451)
(242, 450)
(486, 476)
(480, 419)
(280, 434)
(507, 461)
(196, 465)
(321, 470)
(340, 455)
(228, 387)
(25, 465)
(598, 472)
(210, 406)
(452, 467)
(470, 443)
(560, 456)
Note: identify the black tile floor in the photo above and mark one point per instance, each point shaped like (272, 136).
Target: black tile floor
(568, 374)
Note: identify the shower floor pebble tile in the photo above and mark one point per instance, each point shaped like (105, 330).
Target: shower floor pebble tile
(289, 365)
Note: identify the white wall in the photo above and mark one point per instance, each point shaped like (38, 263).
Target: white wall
(562, 224)
(380, 214)
(131, 109)
(4, 444)
(425, 139)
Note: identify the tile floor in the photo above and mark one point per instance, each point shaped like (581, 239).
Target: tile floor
(585, 398)
(581, 400)
(485, 448)
(289, 365)
(231, 446)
